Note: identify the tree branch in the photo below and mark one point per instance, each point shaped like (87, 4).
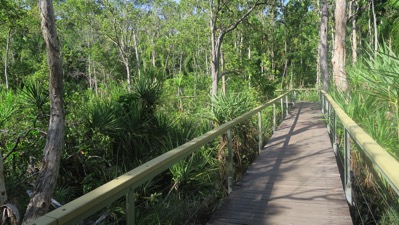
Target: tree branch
(229, 72)
(237, 22)
(19, 140)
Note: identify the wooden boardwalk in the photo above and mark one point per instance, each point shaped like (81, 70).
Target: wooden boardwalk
(295, 179)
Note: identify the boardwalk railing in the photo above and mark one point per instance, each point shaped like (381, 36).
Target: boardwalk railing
(386, 165)
(125, 185)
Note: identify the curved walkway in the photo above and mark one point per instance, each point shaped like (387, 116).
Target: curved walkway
(294, 180)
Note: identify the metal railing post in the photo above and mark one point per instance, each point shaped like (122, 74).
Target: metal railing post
(130, 207)
(274, 117)
(328, 117)
(294, 100)
(282, 109)
(347, 175)
(335, 144)
(260, 131)
(230, 151)
(286, 105)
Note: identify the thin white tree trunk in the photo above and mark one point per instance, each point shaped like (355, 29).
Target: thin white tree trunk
(136, 50)
(223, 75)
(89, 72)
(375, 27)
(153, 52)
(285, 65)
(95, 81)
(6, 58)
(127, 67)
(369, 26)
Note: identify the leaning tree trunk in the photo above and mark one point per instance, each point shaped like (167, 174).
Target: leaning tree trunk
(323, 46)
(48, 173)
(339, 48)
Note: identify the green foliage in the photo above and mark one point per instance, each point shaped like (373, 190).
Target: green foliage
(148, 89)
(229, 106)
(373, 104)
(35, 95)
(308, 95)
(102, 116)
(7, 106)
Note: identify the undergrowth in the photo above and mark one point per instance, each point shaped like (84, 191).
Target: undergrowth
(373, 103)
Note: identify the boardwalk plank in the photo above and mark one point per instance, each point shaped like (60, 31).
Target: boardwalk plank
(295, 179)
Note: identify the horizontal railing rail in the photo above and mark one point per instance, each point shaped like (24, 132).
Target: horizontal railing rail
(125, 185)
(385, 164)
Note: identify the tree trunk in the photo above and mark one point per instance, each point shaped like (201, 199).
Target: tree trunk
(375, 28)
(215, 51)
(6, 57)
(127, 67)
(48, 173)
(153, 52)
(89, 71)
(323, 46)
(318, 72)
(217, 35)
(339, 48)
(95, 81)
(223, 76)
(136, 50)
(285, 65)
(354, 35)
(369, 26)
(3, 193)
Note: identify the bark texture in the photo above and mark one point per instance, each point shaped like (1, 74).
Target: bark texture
(323, 45)
(339, 46)
(48, 173)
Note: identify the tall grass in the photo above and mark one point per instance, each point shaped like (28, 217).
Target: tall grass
(373, 103)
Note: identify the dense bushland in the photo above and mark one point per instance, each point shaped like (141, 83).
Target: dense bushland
(114, 131)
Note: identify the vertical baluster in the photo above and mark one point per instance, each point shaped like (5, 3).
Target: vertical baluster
(230, 151)
(130, 214)
(286, 105)
(335, 144)
(328, 117)
(274, 117)
(347, 175)
(260, 131)
(282, 109)
(294, 100)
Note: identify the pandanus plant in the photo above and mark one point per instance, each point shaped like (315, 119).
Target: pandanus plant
(381, 77)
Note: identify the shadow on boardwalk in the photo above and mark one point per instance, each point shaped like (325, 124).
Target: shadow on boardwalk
(294, 180)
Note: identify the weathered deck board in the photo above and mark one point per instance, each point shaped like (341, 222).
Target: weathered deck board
(295, 179)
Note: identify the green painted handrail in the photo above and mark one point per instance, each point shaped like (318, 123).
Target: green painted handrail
(386, 164)
(90, 203)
